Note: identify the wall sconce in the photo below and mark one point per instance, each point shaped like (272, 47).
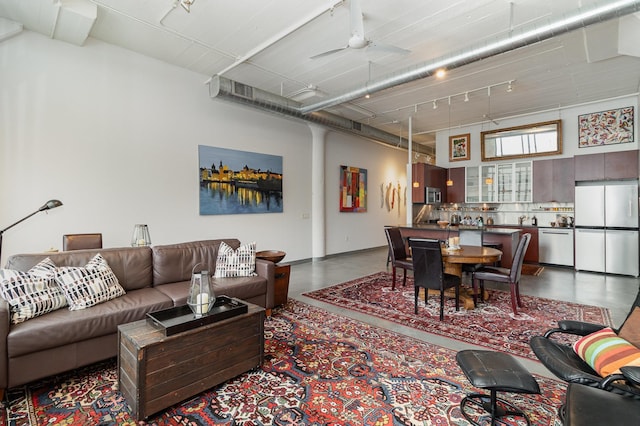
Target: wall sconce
(140, 237)
(416, 184)
(488, 181)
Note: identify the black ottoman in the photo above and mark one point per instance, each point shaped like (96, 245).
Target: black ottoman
(497, 372)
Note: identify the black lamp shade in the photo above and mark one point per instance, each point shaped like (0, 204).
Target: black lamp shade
(51, 204)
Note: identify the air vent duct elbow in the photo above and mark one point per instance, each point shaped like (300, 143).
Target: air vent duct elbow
(224, 88)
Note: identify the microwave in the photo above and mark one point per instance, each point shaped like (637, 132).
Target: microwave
(433, 195)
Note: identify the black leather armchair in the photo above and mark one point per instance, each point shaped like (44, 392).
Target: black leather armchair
(585, 405)
(561, 360)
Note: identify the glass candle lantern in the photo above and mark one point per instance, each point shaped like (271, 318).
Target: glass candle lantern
(140, 237)
(201, 297)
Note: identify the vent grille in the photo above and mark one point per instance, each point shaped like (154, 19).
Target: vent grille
(242, 90)
(356, 126)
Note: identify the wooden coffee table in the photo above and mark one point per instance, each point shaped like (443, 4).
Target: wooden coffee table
(157, 371)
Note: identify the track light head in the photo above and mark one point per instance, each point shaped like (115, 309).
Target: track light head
(186, 5)
(466, 97)
(510, 87)
(435, 104)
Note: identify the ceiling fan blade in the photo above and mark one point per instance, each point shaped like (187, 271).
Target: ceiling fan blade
(328, 52)
(378, 47)
(356, 19)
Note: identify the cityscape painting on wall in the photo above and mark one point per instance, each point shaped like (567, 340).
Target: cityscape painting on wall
(353, 189)
(237, 182)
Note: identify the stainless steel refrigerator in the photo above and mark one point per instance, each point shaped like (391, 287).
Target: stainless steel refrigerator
(606, 228)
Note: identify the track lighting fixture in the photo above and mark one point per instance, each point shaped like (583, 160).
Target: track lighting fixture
(465, 95)
(186, 5)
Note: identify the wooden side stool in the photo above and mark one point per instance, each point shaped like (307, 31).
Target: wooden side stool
(497, 372)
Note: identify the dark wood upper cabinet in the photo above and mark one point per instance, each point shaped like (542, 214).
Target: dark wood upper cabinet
(621, 165)
(607, 166)
(427, 175)
(563, 180)
(542, 181)
(455, 193)
(589, 167)
(436, 178)
(553, 180)
(418, 194)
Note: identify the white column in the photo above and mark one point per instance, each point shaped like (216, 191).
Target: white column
(318, 241)
(409, 173)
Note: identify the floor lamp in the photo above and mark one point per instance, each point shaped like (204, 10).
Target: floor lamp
(51, 204)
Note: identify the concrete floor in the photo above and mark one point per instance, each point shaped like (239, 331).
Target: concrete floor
(613, 292)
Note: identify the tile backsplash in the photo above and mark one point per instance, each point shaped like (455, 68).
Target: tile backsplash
(502, 214)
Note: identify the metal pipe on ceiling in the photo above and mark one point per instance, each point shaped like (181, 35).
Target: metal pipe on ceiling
(223, 88)
(581, 19)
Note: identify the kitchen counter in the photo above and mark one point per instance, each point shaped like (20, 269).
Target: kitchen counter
(507, 238)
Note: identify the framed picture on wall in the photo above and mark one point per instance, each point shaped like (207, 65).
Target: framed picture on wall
(239, 182)
(606, 127)
(353, 189)
(459, 147)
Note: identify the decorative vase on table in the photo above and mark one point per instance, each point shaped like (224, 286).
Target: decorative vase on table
(201, 297)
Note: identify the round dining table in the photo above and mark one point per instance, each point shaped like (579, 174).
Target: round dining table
(454, 259)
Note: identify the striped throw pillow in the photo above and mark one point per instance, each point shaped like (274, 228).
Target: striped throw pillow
(236, 263)
(605, 352)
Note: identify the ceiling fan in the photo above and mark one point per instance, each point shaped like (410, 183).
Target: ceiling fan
(358, 40)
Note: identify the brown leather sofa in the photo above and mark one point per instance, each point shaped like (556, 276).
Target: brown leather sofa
(154, 278)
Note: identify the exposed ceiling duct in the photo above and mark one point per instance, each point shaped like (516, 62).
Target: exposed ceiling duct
(581, 19)
(224, 88)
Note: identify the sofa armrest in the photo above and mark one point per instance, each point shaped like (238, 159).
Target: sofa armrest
(5, 326)
(266, 269)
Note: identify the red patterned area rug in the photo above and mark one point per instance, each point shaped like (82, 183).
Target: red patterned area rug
(492, 324)
(320, 369)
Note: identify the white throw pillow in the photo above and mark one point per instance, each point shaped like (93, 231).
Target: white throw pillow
(236, 263)
(32, 293)
(89, 286)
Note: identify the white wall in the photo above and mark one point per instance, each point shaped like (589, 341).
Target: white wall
(384, 165)
(114, 136)
(569, 117)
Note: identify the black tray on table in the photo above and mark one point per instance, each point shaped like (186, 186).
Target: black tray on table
(181, 318)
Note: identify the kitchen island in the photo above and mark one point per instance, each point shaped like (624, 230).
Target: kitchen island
(507, 237)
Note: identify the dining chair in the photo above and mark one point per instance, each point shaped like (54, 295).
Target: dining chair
(81, 241)
(511, 276)
(471, 237)
(398, 253)
(428, 272)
